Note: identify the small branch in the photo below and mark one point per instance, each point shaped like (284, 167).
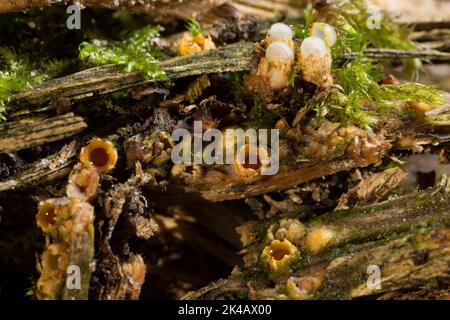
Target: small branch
(237, 57)
(29, 133)
(432, 55)
(429, 25)
(217, 186)
(45, 170)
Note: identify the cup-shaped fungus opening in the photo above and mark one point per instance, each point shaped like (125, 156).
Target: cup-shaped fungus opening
(250, 160)
(99, 153)
(325, 32)
(46, 215)
(55, 258)
(279, 253)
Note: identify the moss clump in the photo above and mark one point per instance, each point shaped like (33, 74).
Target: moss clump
(20, 74)
(354, 15)
(357, 97)
(260, 117)
(194, 27)
(136, 52)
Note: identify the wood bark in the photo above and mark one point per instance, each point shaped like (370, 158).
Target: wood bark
(107, 79)
(22, 134)
(46, 170)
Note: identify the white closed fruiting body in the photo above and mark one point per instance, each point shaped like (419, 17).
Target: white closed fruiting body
(279, 51)
(314, 46)
(324, 31)
(276, 66)
(315, 55)
(280, 31)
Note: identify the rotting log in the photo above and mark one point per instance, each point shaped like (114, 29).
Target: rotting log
(202, 10)
(46, 170)
(220, 186)
(27, 133)
(344, 231)
(407, 237)
(109, 78)
(416, 260)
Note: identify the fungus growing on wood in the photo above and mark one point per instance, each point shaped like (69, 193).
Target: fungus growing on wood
(99, 153)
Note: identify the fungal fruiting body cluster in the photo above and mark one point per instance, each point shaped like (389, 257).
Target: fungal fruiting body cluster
(287, 239)
(68, 223)
(276, 66)
(194, 42)
(315, 55)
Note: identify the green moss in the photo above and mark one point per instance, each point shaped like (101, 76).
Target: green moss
(21, 74)
(136, 52)
(260, 117)
(194, 27)
(295, 73)
(302, 30)
(354, 16)
(357, 98)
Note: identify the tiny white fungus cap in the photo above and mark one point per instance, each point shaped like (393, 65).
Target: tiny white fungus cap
(280, 30)
(279, 51)
(324, 31)
(313, 46)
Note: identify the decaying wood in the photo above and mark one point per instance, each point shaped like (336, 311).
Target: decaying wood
(219, 186)
(45, 170)
(407, 236)
(108, 79)
(417, 294)
(359, 225)
(122, 278)
(202, 10)
(29, 133)
(416, 260)
(430, 25)
(410, 262)
(372, 189)
(22, 5)
(431, 55)
(155, 7)
(224, 287)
